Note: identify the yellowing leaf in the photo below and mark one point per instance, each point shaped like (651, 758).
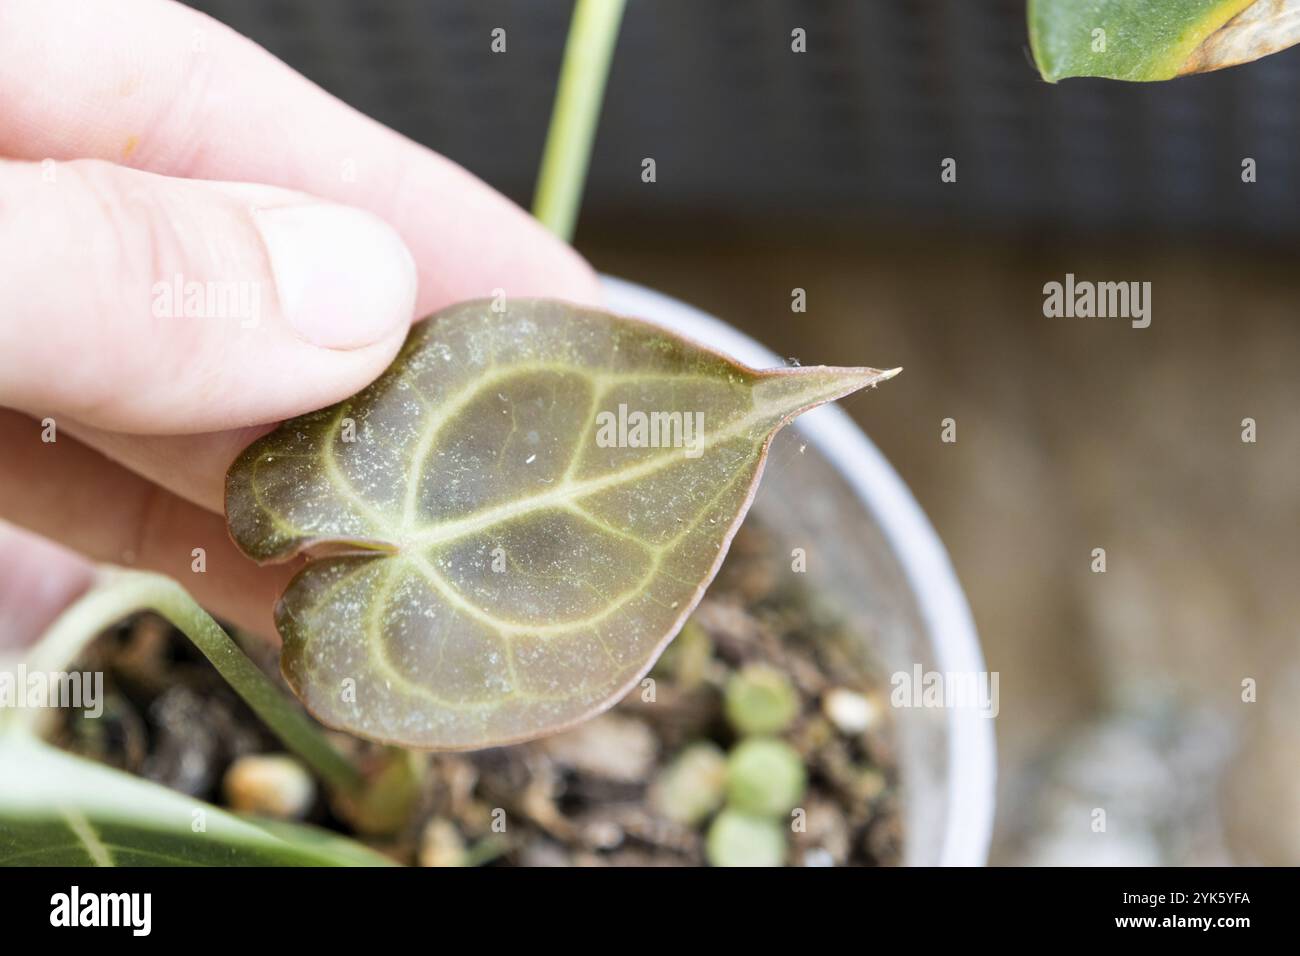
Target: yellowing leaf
(1264, 27)
(1156, 39)
(518, 516)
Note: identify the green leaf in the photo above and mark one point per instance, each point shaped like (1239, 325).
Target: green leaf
(1156, 39)
(508, 572)
(60, 810)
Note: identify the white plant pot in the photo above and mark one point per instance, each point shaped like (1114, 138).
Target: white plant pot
(879, 558)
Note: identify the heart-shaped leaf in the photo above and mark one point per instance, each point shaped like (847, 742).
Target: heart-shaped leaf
(518, 516)
(1156, 39)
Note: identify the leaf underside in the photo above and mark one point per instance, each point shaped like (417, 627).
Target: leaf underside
(509, 570)
(1156, 39)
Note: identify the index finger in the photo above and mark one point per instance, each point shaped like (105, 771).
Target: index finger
(158, 86)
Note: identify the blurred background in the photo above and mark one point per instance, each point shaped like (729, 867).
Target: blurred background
(821, 171)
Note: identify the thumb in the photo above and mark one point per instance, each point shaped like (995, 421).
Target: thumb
(137, 302)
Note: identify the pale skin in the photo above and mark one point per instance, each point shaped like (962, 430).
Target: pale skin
(141, 141)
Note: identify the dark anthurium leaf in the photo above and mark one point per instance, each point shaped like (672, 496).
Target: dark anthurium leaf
(511, 523)
(1156, 39)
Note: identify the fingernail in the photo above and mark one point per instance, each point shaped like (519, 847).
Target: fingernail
(344, 277)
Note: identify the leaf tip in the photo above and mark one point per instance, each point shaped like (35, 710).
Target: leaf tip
(854, 379)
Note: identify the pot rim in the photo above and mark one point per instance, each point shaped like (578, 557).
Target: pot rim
(971, 750)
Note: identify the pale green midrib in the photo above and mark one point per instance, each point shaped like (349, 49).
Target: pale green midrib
(401, 537)
(95, 849)
(414, 559)
(410, 688)
(820, 385)
(654, 568)
(601, 383)
(461, 603)
(447, 531)
(444, 532)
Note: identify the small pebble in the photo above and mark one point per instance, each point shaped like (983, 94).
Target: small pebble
(441, 844)
(849, 711)
(610, 746)
(541, 852)
(269, 785)
(692, 786)
(826, 834)
(602, 834)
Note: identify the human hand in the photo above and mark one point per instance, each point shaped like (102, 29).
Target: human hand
(147, 147)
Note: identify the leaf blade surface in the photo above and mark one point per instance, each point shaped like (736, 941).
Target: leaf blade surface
(1144, 40)
(519, 553)
(58, 809)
